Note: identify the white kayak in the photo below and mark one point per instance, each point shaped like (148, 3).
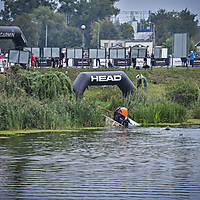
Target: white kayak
(112, 123)
(133, 123)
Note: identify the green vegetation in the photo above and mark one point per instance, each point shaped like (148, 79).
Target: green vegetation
(183, 92)
(44, 99)
(35, 100)
(167, 23)
(173, 96)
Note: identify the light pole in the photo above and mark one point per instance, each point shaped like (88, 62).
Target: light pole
(46, 35)
(83, 39)
(98, 35)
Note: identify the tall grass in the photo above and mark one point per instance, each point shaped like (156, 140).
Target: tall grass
(152, 106)
(160, 112)
(35, 100)
(29, 113)
(183, 92)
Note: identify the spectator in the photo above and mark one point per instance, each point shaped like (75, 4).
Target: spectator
(134, 62)
(184, 61)
(32, 60)
(141, 80)
(110, 64)
(192, 56)
(152, 60)
(145, 66)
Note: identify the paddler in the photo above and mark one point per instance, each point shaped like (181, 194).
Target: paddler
(121, 116)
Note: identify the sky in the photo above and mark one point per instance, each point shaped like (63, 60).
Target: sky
(154, 5)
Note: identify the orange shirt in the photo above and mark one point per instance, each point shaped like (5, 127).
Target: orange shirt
(124, 111)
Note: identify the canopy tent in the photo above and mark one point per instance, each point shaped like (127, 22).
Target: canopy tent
(14, 33)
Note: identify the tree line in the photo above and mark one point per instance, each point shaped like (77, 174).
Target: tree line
(63, 19)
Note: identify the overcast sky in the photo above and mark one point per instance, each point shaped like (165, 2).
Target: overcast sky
(155, 5)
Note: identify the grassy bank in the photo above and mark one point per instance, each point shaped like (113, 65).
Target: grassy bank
(44, 99)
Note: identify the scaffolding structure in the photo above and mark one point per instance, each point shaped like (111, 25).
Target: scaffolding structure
(131, 16)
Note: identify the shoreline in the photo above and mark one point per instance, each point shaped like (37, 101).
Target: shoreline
(189, 123)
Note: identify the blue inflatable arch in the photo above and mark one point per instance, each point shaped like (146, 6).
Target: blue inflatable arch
(15, 34)
(119, 78)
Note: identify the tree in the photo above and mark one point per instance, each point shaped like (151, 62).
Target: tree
(160, 20)
(95, 34)
(167, 23)
(44, 16)
(16, 8)
(72, 37)
(127, 31)
(187, 23)
(29, 28)
(168, 44)
(108, 30)
(67, 7)
(86, 12)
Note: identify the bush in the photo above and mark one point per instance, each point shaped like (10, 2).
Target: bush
(183, 92)
(36, 84)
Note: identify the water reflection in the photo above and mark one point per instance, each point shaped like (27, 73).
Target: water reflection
(140, 163)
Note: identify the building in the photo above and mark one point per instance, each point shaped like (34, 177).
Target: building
(135, 18)
(127, 44)
(112, 43)
(141, 43)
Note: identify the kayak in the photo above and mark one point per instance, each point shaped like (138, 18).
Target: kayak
(133, 123)
(112, 123)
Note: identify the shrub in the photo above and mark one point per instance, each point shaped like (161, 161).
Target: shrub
(35, 84)
(183, 92)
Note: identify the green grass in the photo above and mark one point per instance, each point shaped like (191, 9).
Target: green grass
(44, 99)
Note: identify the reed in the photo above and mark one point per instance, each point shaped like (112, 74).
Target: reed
(30, 113)
(35, 100)
(183, 92)
(160, 112)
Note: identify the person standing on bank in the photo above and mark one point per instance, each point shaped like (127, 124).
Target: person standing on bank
(32, 60)
(141, 80)
(192, 56)
(152, 60)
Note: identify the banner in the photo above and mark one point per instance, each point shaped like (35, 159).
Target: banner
(82, 62)
(161, 62)
(197, 62)
(122, 62)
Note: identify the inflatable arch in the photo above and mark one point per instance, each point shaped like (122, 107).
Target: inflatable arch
(14, 33)
(119, 78)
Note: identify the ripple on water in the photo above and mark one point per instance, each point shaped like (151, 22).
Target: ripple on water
(144, 163)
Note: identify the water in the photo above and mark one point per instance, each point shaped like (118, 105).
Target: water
(143, 163)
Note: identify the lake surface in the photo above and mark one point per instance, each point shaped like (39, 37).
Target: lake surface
(141, 163)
